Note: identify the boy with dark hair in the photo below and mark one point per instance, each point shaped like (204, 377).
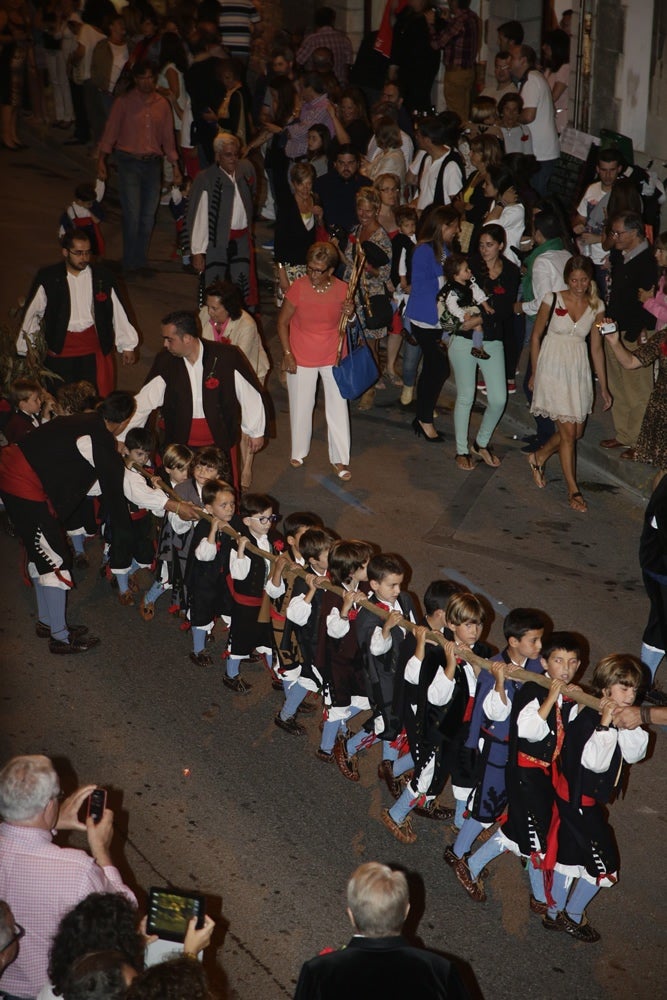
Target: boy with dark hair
(380, 642)
(489, 735)
(27, 398)
(86, 213)
(537, 728)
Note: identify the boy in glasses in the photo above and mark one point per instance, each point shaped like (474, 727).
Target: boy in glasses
(249, 581)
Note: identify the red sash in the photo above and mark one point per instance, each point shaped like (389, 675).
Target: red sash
(82, 342)
(200, 433)
(17, 476)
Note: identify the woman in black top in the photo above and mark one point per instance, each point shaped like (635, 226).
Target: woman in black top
(298, 213)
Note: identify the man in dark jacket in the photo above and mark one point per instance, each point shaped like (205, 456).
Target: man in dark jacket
(633, 268)
(378, 961)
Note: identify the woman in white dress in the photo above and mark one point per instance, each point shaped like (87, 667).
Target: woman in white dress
(562, 383)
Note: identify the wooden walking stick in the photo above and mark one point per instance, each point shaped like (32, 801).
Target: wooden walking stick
(515, 673)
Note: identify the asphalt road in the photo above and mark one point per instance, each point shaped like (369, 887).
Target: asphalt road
(211, 795)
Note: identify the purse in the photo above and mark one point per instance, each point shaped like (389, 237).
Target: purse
(358, 370)
(378, 312)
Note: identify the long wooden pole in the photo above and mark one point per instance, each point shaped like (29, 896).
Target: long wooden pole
(516, 673)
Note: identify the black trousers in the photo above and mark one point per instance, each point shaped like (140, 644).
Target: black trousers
(434, 372)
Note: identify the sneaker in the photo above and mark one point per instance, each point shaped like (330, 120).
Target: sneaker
(236, 684)
(290, 725)
(511, 386)
(268, 245)
(402, 831)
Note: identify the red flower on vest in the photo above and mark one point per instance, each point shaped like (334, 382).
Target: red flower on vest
(498, 290)
(279, 545)
(211, 382)
(101, 296)
(560, 311)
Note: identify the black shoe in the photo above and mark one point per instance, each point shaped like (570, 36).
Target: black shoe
(420, 432)
(290, 725)
(80, 645)
(43, 631)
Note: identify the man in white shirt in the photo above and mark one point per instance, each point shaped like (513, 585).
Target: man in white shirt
(591, 215)
(442, 178)
(83, 317)
(538, 114)
(503, 73)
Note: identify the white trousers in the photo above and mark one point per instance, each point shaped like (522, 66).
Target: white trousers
(62, 96)
(301, 389)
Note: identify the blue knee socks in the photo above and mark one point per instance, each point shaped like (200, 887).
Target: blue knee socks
(459, 818)
(42, 607)
(198, 639)
(403, 764)
(493, 848)
(388, 751)
(559, 890)
(155, 591)
(470, 831)
(402, 806)
(294, 695)
(233, 666)
(329, 733)
(56, 603)
(536, 878)
(580, 897)
(78, 543)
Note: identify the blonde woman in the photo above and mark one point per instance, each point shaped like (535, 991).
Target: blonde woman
(562, 384)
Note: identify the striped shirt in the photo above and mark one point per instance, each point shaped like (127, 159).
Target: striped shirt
(234, 21)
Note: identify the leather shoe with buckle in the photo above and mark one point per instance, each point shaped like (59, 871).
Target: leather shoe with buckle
(472, 886)
(290, 725)
(536, 906)
(77, 645)
(347, 766)
(402, 831)
(43, 631)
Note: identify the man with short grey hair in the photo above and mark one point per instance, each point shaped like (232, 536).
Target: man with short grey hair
(39, 880)
(378, 961)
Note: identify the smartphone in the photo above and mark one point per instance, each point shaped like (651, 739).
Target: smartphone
(170, 910)
(97, 802)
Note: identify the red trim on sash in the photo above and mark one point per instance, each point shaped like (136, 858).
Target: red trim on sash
(200, 433)
(138, 515)
(467, 715)
(525, 760)
(17, 476)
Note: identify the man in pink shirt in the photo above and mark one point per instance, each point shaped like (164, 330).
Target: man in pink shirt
(39, 880)
(140, 129)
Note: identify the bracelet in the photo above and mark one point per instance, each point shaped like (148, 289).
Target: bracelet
(602, 729)
(343, 618)
(645, 714)
(190, 954)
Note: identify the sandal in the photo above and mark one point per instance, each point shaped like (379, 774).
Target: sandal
(537, 471)
(296, 463)
(147, 611)
(577, 502)
(341, 471)
(464, 462)
(486, 454)
(394, 379)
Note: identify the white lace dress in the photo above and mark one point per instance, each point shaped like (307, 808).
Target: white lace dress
(563, 380)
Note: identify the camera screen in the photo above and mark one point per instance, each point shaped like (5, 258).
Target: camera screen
(169, 913)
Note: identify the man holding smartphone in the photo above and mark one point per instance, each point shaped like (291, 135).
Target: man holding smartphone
(39, 880)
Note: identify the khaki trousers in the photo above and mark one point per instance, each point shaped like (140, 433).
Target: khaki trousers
(631, 391)
(458, 87)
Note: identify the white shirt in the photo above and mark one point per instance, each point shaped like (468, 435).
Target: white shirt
(592, 196)
(142, 494)
(536, 93)
(81, 314)
(407, 146)
(513, 221)
(452, 182)
(547, 278)
(151, 397)
(199, 235)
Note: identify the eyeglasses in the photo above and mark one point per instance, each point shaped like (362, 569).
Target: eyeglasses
(316, 270)
(266, 518)
(18, 934)
(618, 232)
(80, 253)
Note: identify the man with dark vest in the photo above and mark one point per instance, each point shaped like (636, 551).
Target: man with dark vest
(42, 482)
(200, 386)
(220, 218)
(83, 317)
(444, 174)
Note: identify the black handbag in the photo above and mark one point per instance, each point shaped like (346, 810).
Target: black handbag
(377, 312)
(358, 370)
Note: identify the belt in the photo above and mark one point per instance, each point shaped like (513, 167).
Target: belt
(138, 156)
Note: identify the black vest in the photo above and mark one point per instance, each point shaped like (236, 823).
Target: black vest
(53, 279)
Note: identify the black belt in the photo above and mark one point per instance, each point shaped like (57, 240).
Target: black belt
(144, 159)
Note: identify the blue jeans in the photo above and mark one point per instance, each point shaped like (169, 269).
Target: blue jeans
(411, 357)
(464, 366)
(139, 190)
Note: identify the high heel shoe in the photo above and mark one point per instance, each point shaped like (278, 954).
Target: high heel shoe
(420, 432)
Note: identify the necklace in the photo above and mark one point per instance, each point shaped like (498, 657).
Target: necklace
(323, 289)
